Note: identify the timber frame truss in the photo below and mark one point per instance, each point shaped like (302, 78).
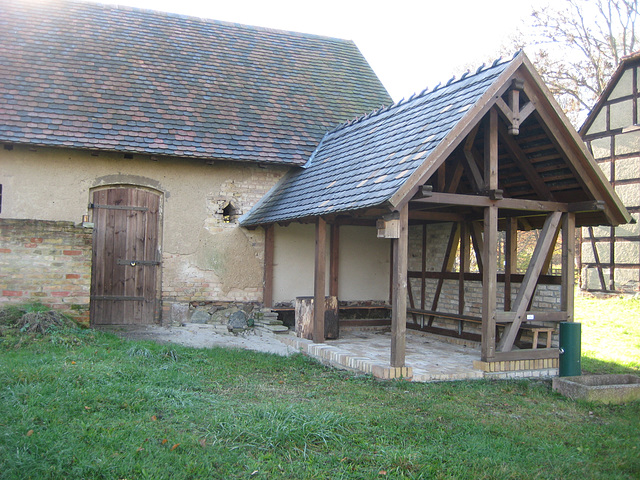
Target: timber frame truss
(516, 165)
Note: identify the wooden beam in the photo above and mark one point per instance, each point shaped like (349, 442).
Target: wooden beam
(399, 303)
(510, 259)
(475, 176)
(447, 264)
(464, 264)
(319, 281)
(489, 283)
(568, 264)
(477, 277)
(533, 316)
(269, 245)
(491, 151)
(456, 177)
(478, 244)
(423, 267)
(525, 165)
(527, 288)
(596, 257)
(334, 260)
(438, 198)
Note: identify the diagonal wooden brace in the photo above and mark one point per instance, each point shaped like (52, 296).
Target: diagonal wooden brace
(546, 242)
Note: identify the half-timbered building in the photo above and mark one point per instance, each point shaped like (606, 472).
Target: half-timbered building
(610, 255)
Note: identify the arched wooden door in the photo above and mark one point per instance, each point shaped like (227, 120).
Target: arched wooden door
(126, 258)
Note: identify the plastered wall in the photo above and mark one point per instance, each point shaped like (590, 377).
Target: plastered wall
(204, 257)
(363, 264)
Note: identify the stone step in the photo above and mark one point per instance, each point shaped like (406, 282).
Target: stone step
(269, 321)
(275, 328)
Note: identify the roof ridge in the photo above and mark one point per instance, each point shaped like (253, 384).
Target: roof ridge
(423, 93)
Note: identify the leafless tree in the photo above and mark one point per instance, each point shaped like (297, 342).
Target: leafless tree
(577, 44)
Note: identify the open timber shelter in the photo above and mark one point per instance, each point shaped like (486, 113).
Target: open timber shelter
(247, 167)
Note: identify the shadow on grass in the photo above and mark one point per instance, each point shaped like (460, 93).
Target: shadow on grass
(600, 367)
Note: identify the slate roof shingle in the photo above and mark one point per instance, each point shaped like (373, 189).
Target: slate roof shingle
(86, 75)
(362, 164)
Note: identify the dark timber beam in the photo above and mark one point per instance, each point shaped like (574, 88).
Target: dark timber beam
(510, 258)
(475, 176)
(399, 301)
(568, 264)
(489, 283)
(491, 151)
(319, 281)
(525, 165)
(486, 201)
(334, 260)
(269, 242)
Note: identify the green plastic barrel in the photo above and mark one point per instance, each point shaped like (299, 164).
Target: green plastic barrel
(570, 349)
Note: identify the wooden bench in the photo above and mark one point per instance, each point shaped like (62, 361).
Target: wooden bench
(536, 330)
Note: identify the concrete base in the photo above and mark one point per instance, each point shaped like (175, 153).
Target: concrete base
(599, 388)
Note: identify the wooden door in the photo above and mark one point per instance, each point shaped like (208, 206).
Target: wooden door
(126, 259)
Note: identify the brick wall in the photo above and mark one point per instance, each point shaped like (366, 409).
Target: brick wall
(47, 262)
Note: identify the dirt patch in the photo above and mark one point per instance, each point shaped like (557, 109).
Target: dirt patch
(202, 336)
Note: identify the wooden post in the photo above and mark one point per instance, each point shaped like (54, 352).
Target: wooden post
(489, 286)
(334, 259)
(510, 259)
(464, 264)
(319, 281)
(490, 240)
(568, 264)
(491, 151)
(399, 301)
(267, 294)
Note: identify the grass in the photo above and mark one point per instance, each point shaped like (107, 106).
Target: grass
(610, 334)
(83, 404)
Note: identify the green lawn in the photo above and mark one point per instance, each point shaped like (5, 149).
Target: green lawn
(81, 404)
(610, 334)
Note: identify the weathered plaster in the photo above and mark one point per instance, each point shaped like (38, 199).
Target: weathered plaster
(204, 258)
(364, 263)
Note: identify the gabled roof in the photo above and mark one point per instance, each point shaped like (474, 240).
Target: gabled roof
(625, 63)
(93, 76)
(382, 159)
(363, 164)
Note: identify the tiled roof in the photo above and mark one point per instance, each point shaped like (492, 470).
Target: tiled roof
(362, 164)
(86, 75)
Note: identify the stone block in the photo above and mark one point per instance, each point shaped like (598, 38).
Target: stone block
(179, 313)
(599, 388)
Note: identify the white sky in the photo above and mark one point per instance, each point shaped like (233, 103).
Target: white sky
(410, 44)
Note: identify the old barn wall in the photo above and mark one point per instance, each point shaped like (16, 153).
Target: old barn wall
(204, 257)
(364, 263)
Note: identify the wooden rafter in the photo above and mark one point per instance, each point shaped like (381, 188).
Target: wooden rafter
(527, 288)
(525, 165)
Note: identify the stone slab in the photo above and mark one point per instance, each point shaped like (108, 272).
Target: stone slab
(599, 388)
